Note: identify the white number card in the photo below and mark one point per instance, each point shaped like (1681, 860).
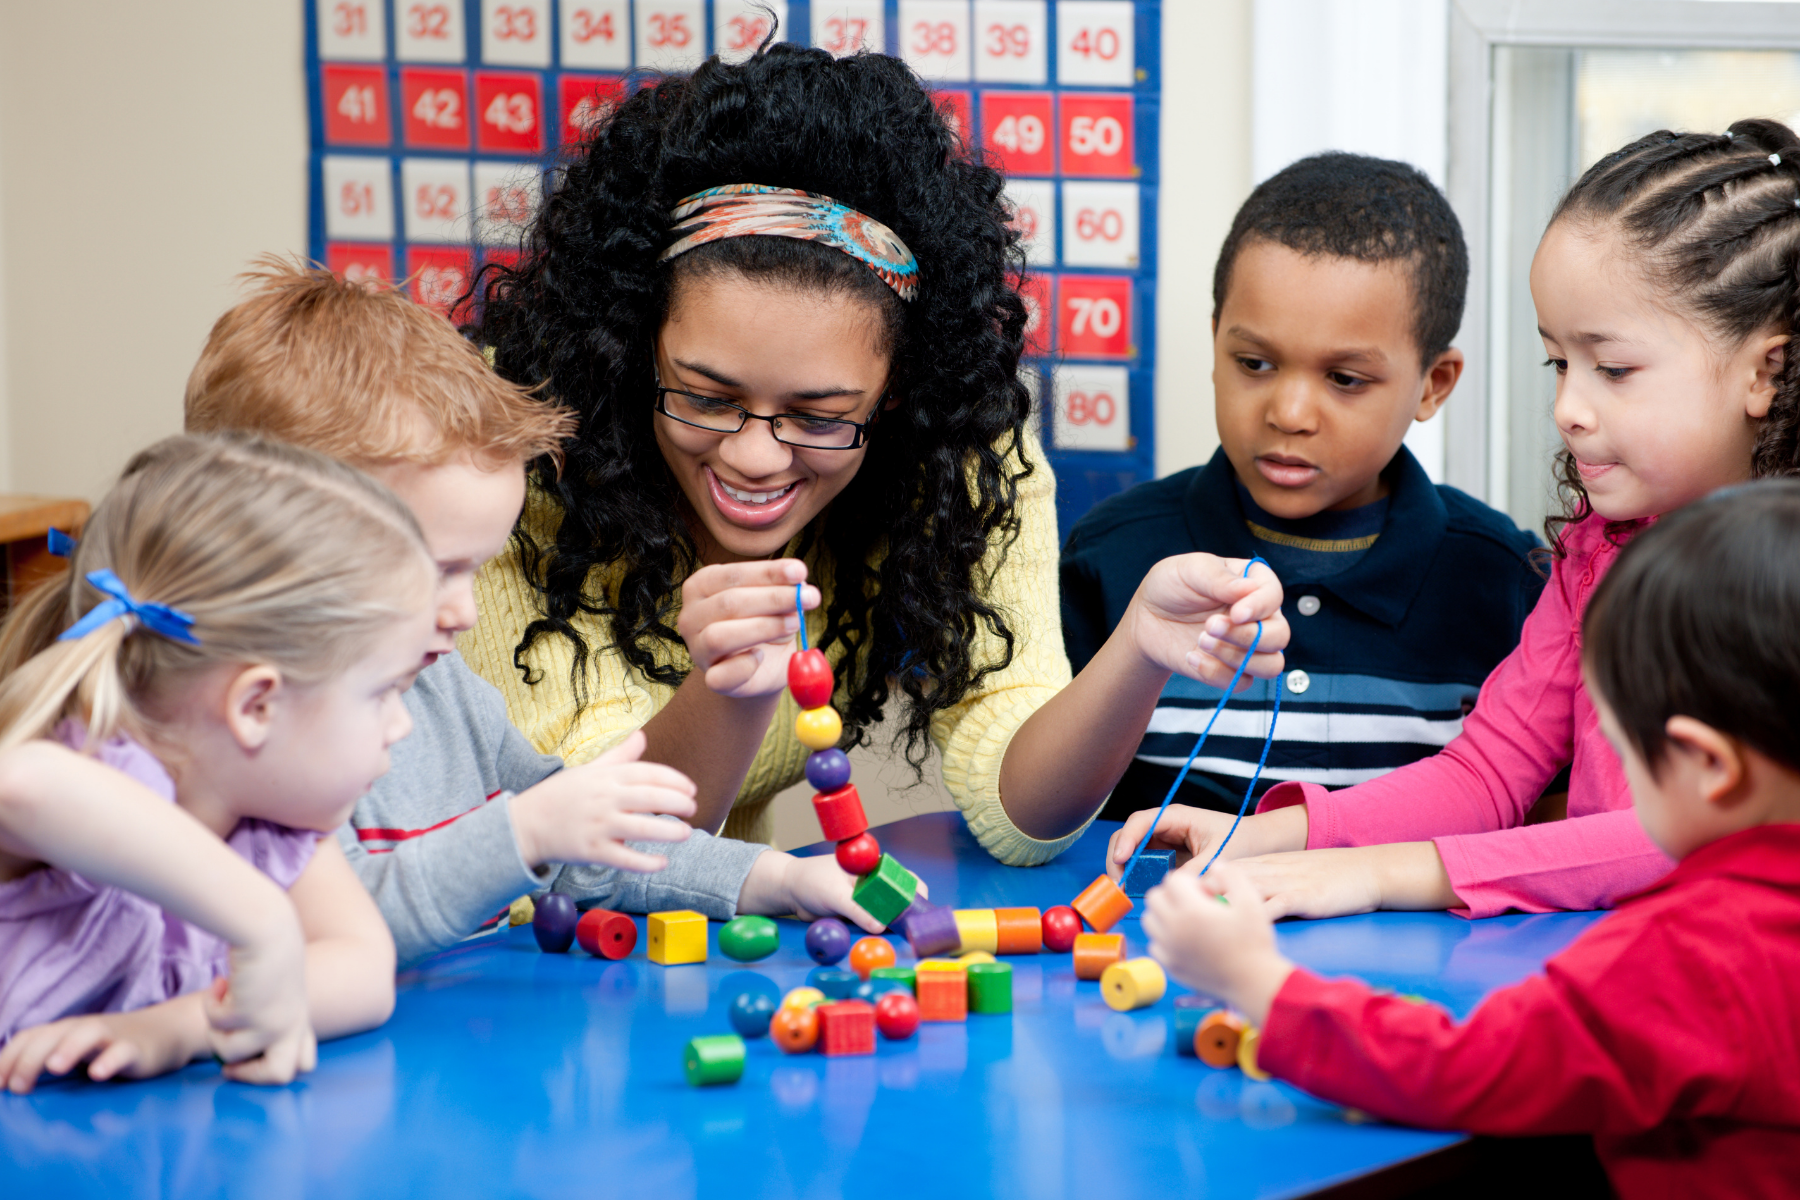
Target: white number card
(515, 33)
(845, 26)
(934, 38)
(671, 34)
(740, 26)
(1033, 202)
(359, 198)
(596, 35)
(1100, 224)
(435, 195)
(507, 195)
(352, 30)
(1094, 43)
(429, 31)
(1009, 41)
(1093, 408)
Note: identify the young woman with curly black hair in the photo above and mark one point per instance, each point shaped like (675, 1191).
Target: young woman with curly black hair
(780, 295)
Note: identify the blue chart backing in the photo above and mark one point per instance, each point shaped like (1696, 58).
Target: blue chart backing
(435, 124)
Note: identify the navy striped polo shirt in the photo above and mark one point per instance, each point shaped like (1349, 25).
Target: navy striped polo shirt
(1387, 654)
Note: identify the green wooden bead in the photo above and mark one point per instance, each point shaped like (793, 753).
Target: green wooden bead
(882, 976)
(749, 938)
(715, 1059)
(887, 891)
(990, 987)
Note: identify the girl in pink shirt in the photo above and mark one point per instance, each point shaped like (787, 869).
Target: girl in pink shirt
(1666, 291)
(185, 717)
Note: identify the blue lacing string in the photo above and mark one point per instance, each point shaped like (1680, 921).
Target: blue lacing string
(1195, 753)
(800, 609)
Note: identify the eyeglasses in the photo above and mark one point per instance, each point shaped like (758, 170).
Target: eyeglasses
(794, 429)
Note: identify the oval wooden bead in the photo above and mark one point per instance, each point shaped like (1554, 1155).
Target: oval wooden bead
(748, 939)
(819, 728)
(554, 923)
(795, 1030)
(809, 678)
(606, 934)
(870, 953)
(1216, 1041)
(1138, 983)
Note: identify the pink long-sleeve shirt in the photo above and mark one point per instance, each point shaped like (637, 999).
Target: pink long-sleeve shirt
(1533, 717)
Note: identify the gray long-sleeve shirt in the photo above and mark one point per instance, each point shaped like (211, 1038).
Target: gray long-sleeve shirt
(433, 840)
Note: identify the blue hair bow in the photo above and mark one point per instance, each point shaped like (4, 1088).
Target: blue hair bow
(60, 544)
(172, 623)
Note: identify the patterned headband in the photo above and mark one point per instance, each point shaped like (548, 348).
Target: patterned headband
(752, 210)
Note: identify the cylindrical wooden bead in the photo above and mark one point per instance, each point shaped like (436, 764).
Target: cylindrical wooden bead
(1101, 904)
(990, 987)
(885, 978)
(1094, 952)
(1137, 983)
(715, 1059)
(1247, 1044)
(819, 728)
(607, 934)
(809, 678)
(1189, 1012)
(931, 930)
(1019, 930)
(976, 929)
(1216, 1041)
(835, 982)
(840, 814)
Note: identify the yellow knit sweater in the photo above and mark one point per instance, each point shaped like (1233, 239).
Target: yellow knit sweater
(971, 737)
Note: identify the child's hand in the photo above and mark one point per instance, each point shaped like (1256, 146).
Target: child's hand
(585, 814)
(133, 1045)
(1196, 615)
(809, 888)
(1226, 949)
(1193, 833)
(1337, 882)
(257, 1017)
(739, 624)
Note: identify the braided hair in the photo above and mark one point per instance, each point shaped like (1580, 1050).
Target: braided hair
(1716, 221)
(904, 544)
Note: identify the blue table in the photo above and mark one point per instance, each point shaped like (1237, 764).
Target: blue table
(507, 1072)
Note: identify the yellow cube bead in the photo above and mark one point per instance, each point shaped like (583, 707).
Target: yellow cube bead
(1136, 983)
(819, 728)
(677, 937)
(979, 929)
(803, 997)
(1247, 1044)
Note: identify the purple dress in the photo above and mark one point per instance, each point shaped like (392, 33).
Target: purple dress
(68, 946)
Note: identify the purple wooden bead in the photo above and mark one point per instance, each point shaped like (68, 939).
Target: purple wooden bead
(931, 930)
(554, 923)
(828, 940)
(828, 770)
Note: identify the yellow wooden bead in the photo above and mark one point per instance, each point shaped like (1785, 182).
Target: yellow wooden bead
(1247, 1044)
(1137, 983)
(979, 929)
(975, 956)
(819, 728)
(521, 912)
(937, 964)
(803, 997)
(676, 937)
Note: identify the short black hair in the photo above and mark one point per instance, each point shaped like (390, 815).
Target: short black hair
(1371, 209)
(1700, 617)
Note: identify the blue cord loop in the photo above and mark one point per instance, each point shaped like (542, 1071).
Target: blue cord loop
(1195, 753)
(800, 609)
(171, 623)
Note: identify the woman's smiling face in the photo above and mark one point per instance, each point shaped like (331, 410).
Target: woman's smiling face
(773, 350)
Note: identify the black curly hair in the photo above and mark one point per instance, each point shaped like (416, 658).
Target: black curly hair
(1373, 210)
(580, 312)
(1715, 218)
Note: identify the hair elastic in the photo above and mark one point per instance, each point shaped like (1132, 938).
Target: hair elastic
(172, 623)
(1774, 160)
(754, 210)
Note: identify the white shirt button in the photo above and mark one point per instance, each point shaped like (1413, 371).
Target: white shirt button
(1298, 681)
(1308, 606)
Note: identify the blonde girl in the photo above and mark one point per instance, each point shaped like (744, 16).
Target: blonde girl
(1667, 287)
(184, 718)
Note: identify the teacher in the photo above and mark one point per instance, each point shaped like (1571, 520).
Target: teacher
(781, 297)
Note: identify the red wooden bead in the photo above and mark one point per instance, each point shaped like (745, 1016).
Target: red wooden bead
(897, 1015)
(606, 934)
(1061, 925)
(847, 1027)
(809, 678)
(840, 813)
(859, 855)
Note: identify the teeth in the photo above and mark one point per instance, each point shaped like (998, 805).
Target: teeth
(753, 497)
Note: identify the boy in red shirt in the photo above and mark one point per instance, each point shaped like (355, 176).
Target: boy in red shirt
(1670, 1030)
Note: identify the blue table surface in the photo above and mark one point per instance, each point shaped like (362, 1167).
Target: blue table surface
(508, 1072)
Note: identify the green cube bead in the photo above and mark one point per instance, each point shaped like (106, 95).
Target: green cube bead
(747, 939)
(990, 987)
(715, 1059)
(886, 891)
(901, 975)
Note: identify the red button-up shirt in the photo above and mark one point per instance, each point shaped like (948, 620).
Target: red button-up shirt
(1670, 1031)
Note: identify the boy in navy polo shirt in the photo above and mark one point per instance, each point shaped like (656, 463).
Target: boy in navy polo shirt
(1336, 295)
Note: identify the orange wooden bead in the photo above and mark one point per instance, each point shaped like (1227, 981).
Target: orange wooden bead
(795, 1030)
(869, 953)
(1021, 930)
(1101, 904)
(943, 995)
(1216, 1041)
(1094, 952)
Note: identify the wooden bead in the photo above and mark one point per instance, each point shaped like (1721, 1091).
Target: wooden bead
(676, 937)
(859, 855)
(930, 930)
(1147, 872)
(847, 1027)
(936, 964)
(803, 997)
(553, 924)
(975, 956)
(869, 953)
(835, 982)
(1216, 1041)
(840, 813)
(1137, 983)
(521, 911)
(1101, 904)
(1094, 952)
(990, 987)
(715, 1059)
(897, 1015)
(607, 934)
(976, 929)
(885, 892)
(943, 995)
(819, 728)
(1189, 1012)
(751, 1013)
(828, 770)
(1062, 925)
(1018, 930)
(749, 939)
(885, 978)
(809, 678)
(1246, 1056)
(795, 1030)
(827, 941)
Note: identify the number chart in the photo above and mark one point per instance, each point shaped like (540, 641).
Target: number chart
(435, 124)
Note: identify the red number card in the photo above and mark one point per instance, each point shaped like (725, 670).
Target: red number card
(1094, 316)
(1016, 130)
(585, 101)
(360, 263)
(1039, 294)
(957, 107)
(508, 110)
(1096, 136)
(435, 108)
(439, 278)
(356, 106)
